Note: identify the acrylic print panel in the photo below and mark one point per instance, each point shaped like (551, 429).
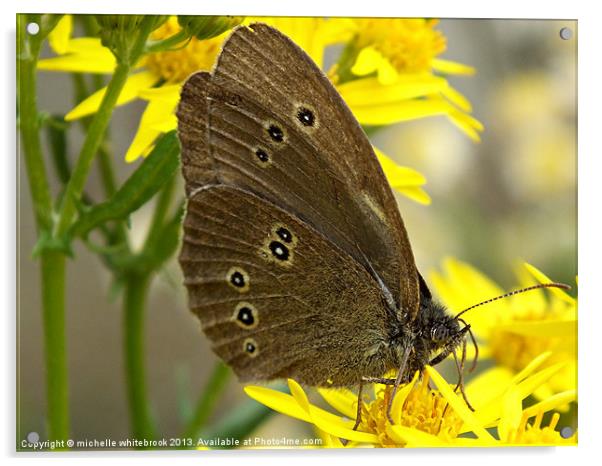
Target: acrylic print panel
(218, 256)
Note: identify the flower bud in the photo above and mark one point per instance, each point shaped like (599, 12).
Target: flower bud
(117, 32)
(206, 27)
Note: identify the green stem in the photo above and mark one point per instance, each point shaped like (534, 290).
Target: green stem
(95, 134)
(91, 144)
(162, 205)
(168, 43)
(52, 264)
(206, 403)
(53, 300)
(136, 288)
(30, 128)
(105, 165)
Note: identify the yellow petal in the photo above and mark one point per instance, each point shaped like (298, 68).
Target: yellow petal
(471, 442)
(544, 328)
(551, 403)
(368, 60)
(84, 55)
(400, 398)
(387, 74)
(328, 441)
(87, 45)
(486, 387)
(468, 124)
(530, 368)
(542, 278)
(337, 30)
(397, 175)
(462, 286)
(451, 67)
(534, 299)
(386, 114)
(416, 194)
(277, 401)
(370, 92)
(58, 39)
(305, 32)
(167, 124)
(457, 98)
(166, 92)
(413, 437)
(155, 114)
(458, 405)
(130, 91)
(404, 180)
(512, 413)
(527, 386)
(327, 421)
(341, 399)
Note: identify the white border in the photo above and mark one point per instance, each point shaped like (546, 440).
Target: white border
(590, 232)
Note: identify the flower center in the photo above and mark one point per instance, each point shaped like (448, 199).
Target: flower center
(536, 434)
(176, 65)
(409, 44)
(424, 409)
(516, 351)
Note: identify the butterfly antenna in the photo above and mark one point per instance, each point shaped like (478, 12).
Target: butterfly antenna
(512, 293)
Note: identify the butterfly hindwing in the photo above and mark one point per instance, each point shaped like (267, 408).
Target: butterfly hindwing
(276, 298)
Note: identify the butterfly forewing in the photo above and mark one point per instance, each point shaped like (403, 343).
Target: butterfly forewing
(268, 80)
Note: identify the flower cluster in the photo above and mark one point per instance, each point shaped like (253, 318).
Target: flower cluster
(501, 396)
(386, 74)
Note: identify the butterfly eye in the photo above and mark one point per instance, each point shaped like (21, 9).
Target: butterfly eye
(306, 116)
(439, 333)
(276, 133)
(246, 316)
(279, 250)
(284, 234)
(238, 279)
(262, 155)
(250, 347)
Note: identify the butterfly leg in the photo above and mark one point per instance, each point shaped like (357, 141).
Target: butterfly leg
(400, 374)
(474, 343)
(380, 380)
(358, 417)
(460, 367)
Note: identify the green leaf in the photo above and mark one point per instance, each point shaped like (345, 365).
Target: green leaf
(140, 187)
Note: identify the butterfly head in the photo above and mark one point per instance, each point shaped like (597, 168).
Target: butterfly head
(436, 334)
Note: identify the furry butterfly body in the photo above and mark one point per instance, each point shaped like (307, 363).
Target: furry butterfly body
(294, 254)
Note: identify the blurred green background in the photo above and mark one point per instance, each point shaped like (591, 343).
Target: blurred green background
(511, 197)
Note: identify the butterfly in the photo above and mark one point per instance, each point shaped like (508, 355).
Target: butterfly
(295, 256)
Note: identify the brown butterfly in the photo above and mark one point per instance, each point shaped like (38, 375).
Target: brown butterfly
(295, 256)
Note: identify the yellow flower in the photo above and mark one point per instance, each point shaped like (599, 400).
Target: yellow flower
(514, 427)
(168, 68)
(512, 331)
(397, 60)
(423, 416)
(416, 46)
(162, 74)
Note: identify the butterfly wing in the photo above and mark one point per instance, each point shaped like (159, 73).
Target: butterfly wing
(267, 120)
(276, 297)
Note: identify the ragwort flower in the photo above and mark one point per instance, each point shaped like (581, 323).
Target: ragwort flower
(514, 330)
(161, 74)
(397, 74)
(423, 416)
